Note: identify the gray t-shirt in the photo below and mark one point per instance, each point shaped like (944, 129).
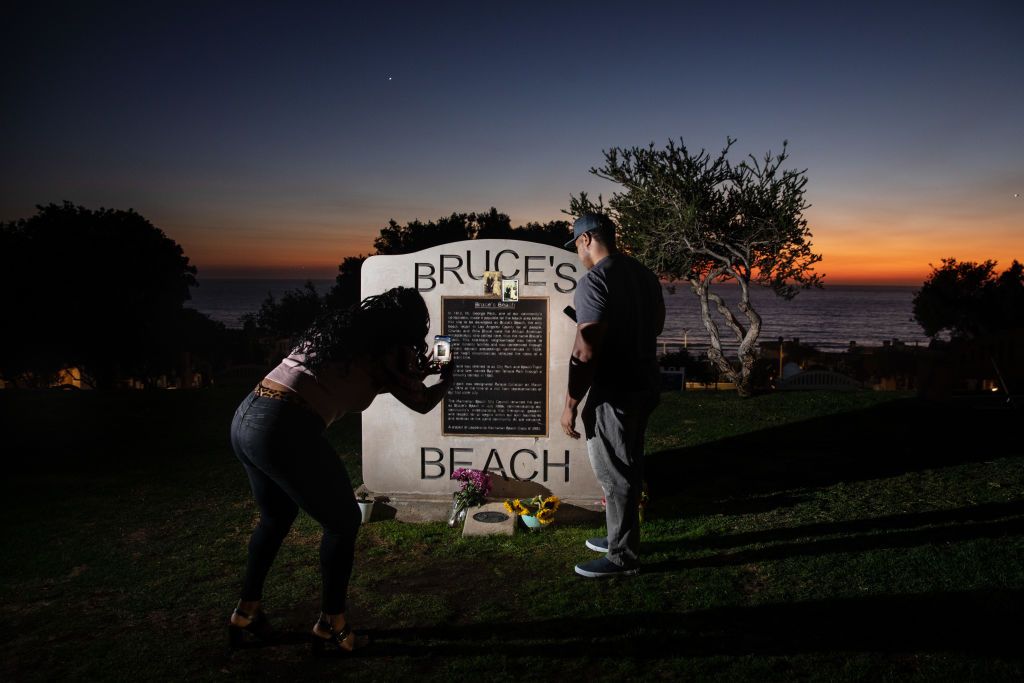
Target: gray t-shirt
(626, 295)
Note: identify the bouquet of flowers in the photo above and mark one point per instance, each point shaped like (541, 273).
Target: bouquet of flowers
(538, 509)
(473, 489)
(474, 486)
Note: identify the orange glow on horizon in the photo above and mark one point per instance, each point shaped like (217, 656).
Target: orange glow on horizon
(859, 247)
(850, 267)
(838, 268)
(901, 249)
(281, 256)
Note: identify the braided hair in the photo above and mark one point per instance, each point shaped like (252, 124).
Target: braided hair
(398, 316)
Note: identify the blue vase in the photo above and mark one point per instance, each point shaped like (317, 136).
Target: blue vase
(530, 521)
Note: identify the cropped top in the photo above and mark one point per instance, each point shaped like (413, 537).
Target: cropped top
(322, 390)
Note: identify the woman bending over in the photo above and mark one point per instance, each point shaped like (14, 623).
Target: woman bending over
(344, 361)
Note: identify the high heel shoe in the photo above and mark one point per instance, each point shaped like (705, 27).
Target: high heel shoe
(336, 639)
(258, 627)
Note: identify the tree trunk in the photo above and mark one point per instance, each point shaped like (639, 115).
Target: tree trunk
(745, 336)
(748, 345)
(715, 354)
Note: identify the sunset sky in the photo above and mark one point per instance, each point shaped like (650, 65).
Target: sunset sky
(275, 139)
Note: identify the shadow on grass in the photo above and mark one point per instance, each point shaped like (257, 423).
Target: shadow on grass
(995, 520)
(760, 471)
(967, 622)
(986, 512)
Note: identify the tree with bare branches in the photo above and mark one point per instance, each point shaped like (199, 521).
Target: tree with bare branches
(705, 220)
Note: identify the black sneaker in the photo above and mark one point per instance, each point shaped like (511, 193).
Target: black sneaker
(598, 545)
(602, 567)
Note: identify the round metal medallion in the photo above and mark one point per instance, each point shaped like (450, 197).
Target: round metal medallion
(490, 517)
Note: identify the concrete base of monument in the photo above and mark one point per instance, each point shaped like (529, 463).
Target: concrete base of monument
(490, 519)
(407, 507)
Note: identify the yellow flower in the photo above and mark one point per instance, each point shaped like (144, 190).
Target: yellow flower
(551, 503)
(546, 516)
(515, 507)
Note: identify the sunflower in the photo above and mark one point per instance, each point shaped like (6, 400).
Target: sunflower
(515, 507)
(546, 516)
(550, 503)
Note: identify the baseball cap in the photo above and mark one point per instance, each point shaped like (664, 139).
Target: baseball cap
(586, 223)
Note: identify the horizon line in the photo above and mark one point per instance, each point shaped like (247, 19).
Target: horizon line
(296, 277)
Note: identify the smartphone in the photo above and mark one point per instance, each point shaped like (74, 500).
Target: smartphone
(570, 311)
(442, 349)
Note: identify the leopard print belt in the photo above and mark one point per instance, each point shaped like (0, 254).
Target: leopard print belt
(286, 396)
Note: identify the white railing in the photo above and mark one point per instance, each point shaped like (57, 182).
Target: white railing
(664, 343)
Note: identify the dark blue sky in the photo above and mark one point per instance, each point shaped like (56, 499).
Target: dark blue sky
(266, 137)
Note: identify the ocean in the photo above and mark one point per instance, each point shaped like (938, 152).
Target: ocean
(227, 300)
(828, 319)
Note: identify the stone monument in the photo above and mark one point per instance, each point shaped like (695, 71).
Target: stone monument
(503, 304)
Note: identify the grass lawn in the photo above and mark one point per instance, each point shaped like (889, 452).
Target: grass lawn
(808, 536)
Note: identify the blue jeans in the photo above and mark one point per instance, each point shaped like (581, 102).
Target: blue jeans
(290, 466)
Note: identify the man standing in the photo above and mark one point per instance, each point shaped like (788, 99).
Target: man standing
(619, 314)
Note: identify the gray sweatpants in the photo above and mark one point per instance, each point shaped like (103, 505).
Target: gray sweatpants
(615, 431)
